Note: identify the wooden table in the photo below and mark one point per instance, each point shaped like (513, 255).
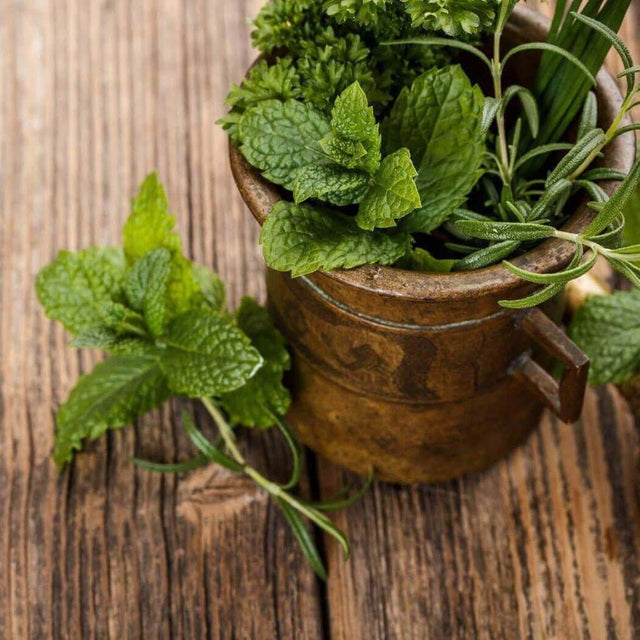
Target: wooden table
(94, 94)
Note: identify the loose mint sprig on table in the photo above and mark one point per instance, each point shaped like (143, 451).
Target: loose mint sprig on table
(165, 323)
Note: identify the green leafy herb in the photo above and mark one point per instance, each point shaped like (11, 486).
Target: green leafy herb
(114, 394)
(302, 239)
(454, 17)
(331, 183)
(439, 119)
(263, 397)
(607, 328)
(77, 288)
(163, 320)
(279, 138)
(354, 129)
(392, 195)
(447, 145)
(207, 355)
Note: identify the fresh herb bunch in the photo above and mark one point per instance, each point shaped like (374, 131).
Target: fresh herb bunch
(165, 323)
(372, 187)
(315, 52)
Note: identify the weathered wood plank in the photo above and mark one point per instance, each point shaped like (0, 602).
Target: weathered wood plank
(544, 545)
(93, 96)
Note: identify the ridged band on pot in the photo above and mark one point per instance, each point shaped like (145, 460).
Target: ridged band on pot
(425, 376)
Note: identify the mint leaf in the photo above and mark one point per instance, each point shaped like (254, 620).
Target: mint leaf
(281, 137)
(114, 394)
(263, 397)
(304, 239)
(331, 183)
(421, 260)
(112, 341)
(439, 119)
(212, 289)
(207, 355)
(392, 195)
(75, 288)
(146, 288)
(353, 121)
(347, 153)
(607, 328)
(151, 227)
(120, 318)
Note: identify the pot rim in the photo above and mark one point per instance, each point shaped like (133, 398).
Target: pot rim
(551, 255)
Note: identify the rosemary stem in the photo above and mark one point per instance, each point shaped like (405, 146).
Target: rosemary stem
(609, 136)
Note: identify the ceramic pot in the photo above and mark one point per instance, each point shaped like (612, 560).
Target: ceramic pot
(424, 376)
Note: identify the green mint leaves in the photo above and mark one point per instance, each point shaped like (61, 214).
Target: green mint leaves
(146, 288)
(607, 328)
(392, 194)
(354, 127)
(207, 355)
(303, 239)
(336, 161)
(279, 138)
(436, 125)
(439, 119)
(115, 393)
(264, 397)
(163, 320)
(151, 227)
(79, 288)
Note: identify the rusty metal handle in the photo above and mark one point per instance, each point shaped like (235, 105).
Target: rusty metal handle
(567, 397)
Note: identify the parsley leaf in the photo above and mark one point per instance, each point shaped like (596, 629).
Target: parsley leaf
(281, 137)
(439, 119)
(454, 17)
(279, 81)
(78, 289)
(607, 328)
(114, 394)
(364, 11)
(392, 195)
(207, 355)
(263, 397)
(303, 239)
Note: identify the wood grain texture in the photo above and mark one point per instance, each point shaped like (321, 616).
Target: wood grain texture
(93, 95)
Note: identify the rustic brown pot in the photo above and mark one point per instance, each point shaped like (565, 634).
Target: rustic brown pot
(424, 376)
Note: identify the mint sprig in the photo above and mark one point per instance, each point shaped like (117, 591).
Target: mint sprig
(164, 321)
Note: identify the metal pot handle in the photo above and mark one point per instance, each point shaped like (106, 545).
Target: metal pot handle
(566, 398)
